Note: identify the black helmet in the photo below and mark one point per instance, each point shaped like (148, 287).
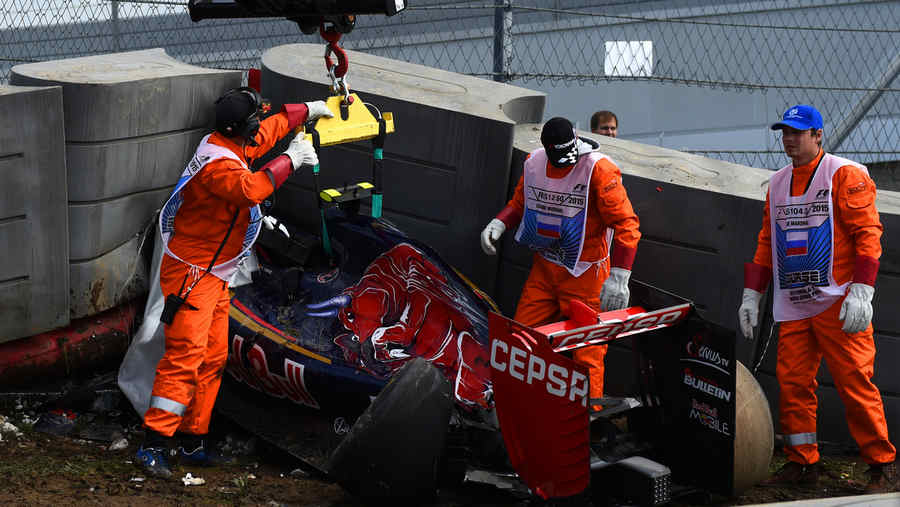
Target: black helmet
(559, 140)
(238, 112)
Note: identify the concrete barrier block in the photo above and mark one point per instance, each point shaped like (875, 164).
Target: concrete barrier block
(111, 169)
(109, 280)
(104, 224)
(132, 121)
(131, 94)
(34, 281)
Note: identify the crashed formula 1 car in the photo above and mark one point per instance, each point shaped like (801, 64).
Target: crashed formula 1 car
(386, 370)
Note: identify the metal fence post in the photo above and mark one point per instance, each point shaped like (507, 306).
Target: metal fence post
(502, 41)
(114, 19)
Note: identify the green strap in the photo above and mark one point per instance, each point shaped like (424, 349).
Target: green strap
(377, 163)
(376, 175)
(376, 206)
(326, 242)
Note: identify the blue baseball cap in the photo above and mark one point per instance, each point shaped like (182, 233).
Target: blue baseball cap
(800, 117)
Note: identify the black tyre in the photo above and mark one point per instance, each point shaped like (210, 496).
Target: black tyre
(392, 452)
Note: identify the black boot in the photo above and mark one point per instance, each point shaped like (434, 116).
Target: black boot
(195, 450)
(793, 473)
(883, 478)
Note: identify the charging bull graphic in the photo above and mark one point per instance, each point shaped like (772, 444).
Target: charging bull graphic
(403, 307)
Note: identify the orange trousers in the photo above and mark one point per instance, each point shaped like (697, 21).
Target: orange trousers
(545, 298)
(190, 372)
(850, 357)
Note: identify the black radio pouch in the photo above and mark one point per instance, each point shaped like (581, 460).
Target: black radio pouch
(173, 304)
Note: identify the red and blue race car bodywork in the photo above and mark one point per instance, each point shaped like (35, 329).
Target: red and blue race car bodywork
(359, 321)
(322, 340)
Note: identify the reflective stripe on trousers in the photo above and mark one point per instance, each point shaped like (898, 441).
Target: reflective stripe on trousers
(799, 439)
(170, 406)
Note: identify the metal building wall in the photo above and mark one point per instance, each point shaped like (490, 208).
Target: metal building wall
(753, 69)
(34, 277)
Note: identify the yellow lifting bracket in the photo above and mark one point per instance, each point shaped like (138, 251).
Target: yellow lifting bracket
(355, 124)
(352, 121)
(360, 190)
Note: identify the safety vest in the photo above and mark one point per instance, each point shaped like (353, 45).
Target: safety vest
(803, 242)
(556, 211)
(205, 153)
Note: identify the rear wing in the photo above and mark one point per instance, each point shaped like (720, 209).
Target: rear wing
(541, 396)
(588, 327)
(541, 401)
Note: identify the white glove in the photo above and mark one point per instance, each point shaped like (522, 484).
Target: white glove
(301, 152)
(270, 222)
(489, 236)
(615, 293)
(748, 313)
(317, 109)
(856, 310)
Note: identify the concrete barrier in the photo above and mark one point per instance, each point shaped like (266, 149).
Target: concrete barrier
(132, 120)
(117, 276)
(34, 277)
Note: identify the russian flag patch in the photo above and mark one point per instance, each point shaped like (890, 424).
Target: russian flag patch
(796, 242)
(548, 226)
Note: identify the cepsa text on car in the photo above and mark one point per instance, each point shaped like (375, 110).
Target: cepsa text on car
(527, 367)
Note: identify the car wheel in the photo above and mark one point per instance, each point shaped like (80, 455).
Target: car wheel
(392, 452)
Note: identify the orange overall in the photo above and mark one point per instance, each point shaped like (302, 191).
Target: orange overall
(550, 287)
(189, 373)
(803, 343)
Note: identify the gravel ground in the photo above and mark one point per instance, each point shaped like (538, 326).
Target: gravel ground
(92, 464)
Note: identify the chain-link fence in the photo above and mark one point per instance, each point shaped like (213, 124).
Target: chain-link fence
(841, 55)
